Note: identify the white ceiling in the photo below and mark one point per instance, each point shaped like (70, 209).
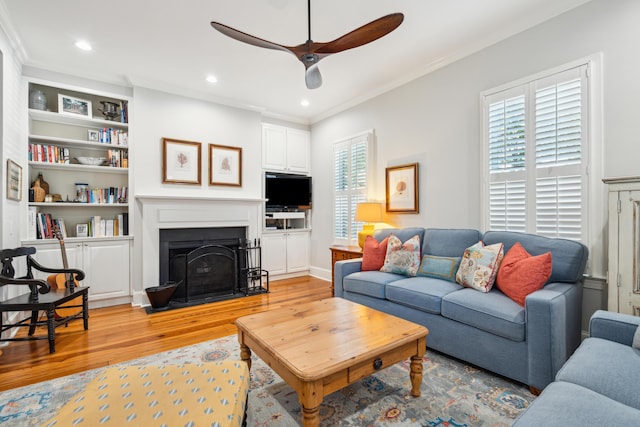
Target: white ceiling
(169, 44)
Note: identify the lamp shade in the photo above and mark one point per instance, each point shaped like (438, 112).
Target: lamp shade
(368, 212)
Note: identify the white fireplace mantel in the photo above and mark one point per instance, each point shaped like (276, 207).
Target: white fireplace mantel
(158, 212)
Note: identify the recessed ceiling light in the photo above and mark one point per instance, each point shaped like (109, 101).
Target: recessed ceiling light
(81, 44)
(304, 102)
(212, 79)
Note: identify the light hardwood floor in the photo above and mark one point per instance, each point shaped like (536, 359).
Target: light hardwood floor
(121, 333)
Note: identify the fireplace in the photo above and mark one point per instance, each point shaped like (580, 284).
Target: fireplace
(207, 263)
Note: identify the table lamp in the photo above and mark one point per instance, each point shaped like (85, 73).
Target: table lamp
(369, 213)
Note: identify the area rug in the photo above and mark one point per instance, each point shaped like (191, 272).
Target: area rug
(453, 394)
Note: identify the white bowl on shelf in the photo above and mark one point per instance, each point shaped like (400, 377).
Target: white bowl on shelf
(92, 161)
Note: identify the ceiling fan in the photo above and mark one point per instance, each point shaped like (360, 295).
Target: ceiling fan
(310, 52)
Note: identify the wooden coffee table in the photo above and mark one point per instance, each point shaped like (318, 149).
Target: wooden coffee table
(323, 346)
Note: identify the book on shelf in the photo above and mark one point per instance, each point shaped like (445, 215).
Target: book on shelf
(33, 223)
(45, 224)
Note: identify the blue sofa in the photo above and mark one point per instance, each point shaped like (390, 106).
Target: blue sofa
(598, 386)
(528, 344)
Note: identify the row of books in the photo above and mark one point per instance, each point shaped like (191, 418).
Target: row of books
(48, 153)
(45, 226)
(118, 158)
(113, 136)
(42, 226)
(108, 195)
(98, 227)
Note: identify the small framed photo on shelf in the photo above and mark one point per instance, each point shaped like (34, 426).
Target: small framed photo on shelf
(181, 162)
(82, 230)
(402, 188)
(14, 181)
(225, 165)
(74, 106)
(94, 135)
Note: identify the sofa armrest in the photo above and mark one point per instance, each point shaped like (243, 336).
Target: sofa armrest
(553, 329)
(613, 326)
(342, 269)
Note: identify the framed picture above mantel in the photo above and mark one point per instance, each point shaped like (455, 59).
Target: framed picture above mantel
(225, 165)
(401, 183)
(181, 162)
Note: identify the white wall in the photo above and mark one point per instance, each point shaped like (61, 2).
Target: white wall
(156, 115)
(12, 130)
(435, 120)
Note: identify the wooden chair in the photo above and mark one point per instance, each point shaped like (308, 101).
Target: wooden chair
(41, 297)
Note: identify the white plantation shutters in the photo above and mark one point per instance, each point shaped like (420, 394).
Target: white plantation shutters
(351, 162)
(535, 144)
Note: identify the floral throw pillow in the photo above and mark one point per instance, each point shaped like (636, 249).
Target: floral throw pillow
(402, 258)
(479, 266)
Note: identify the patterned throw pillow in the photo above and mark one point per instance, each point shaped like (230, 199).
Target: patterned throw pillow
(374, 253)
(439, 267)
(521, 274)
(479, 266)
(402, 258)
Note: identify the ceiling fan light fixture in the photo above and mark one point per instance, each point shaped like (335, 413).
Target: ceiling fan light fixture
(310, 52)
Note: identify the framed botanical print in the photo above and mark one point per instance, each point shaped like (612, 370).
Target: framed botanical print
(225, 165)
(402, 188)
(181, 162)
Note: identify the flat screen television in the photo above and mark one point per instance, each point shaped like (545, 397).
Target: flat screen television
(287, 191)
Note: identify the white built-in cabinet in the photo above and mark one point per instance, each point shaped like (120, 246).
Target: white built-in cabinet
(286, 252)
(624, 245)
(104, 261)
(68, 128)
(285, 149)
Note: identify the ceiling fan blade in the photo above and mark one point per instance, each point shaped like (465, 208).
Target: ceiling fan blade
(312, 77)
(362, 35)
(247, 38)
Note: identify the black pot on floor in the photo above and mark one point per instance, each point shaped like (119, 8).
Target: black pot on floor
(159, 296)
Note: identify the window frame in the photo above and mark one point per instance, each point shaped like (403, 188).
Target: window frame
(353, 226)
(592, 218)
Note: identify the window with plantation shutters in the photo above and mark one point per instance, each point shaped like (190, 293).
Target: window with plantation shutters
(536, 156)
(351, 183)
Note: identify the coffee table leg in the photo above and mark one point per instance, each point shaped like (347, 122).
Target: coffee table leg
(310, 397)
(416, 375)
(245, 355)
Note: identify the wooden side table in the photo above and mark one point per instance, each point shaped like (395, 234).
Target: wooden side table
(339, 253)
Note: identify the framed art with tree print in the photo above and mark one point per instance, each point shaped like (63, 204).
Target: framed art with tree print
(225, 165)
(181, 162)
(402, 188)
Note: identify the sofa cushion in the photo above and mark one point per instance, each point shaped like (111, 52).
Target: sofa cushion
(479, 266)
(439, 267)
(521, 273)
(605, 367)
(402, 257)
(403, 234)
(374, 253)
(564, 404)
(448, 242)
(371, 283)
(569, 257)
(493, 312)
(422, 293)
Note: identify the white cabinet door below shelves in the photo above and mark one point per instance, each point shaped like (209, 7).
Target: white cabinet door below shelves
(106, 264)
(297, 252)
(274, 250)
(49, 255)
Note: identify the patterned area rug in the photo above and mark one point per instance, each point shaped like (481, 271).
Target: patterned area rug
(453, 394)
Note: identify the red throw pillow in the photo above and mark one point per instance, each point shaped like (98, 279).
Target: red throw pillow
(373, 253)
(521, 274)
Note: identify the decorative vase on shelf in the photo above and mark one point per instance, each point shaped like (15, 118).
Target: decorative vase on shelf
(38, 100)
(41, 183)
(38, 192)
